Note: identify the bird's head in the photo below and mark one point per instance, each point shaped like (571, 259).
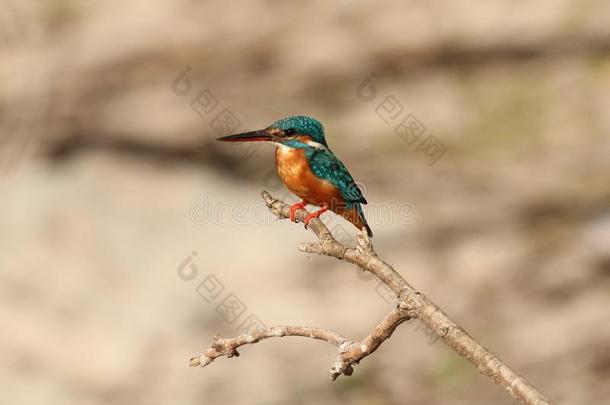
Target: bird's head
(296, 132)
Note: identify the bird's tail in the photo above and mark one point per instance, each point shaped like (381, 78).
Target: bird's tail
(355, 215)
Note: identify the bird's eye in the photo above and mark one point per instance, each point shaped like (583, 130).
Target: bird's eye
(290, 131)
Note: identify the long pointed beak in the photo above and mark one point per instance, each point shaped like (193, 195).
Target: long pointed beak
(252, 136)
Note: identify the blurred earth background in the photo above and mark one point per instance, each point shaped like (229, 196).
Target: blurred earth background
(117, 203)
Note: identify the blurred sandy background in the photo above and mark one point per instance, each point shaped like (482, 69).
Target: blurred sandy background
(110, 180)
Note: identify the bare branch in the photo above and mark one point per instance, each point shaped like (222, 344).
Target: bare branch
(350, 353)
(228, 347)
(410, 304)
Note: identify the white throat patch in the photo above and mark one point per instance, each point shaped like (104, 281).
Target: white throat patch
(282, 147)
(316, 145)
(313, 144)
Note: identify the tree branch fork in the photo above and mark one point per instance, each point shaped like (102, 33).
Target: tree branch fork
(410, 304)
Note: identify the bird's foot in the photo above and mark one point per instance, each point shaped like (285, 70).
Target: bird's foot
(294, 208)
(315, 214)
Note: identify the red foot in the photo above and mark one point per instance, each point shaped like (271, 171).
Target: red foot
(315, 214)
(294, 208)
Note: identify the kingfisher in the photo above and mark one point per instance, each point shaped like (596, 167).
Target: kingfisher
(310, 169)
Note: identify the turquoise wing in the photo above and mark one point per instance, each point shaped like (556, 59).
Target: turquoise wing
(326, 166)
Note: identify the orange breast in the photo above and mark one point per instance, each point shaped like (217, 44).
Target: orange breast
(294, 170)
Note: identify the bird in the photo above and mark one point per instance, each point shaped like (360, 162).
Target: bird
(309, 169)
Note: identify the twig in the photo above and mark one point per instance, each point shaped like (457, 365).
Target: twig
(350, 353)
(411, 304)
